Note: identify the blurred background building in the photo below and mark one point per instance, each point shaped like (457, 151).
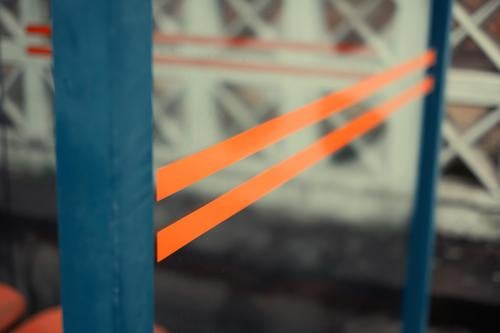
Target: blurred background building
(326, 252)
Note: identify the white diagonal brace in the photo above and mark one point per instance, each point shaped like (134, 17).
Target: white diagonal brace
(485, 43)
(364, 10)
(364, 30)
(13, 113)
(10, 23)
(236, 110)
(238, 25)
(480, 128)
(477, 18)
(249, 15)
(473, 158)
(10, 79)
(164, 124)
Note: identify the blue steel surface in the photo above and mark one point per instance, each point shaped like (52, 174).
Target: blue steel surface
(103, 79)
(421, 233)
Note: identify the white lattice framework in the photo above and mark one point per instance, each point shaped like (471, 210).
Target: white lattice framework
(476, 88)
(195, 107)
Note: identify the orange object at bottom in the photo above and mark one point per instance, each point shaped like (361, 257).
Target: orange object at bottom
(12, 306)
(50, 321)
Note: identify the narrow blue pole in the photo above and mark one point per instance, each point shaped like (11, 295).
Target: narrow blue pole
(102, 75)
(421, 233)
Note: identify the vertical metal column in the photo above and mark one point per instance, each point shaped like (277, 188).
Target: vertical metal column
(102, 74)
(421, 237)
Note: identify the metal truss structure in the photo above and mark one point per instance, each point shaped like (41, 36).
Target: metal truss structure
(207, 89)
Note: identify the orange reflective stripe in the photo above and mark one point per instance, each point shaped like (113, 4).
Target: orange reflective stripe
(195, 224)
(187, 171)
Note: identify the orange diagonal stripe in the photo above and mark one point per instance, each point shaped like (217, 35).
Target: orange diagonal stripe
(195, 224)
(184, 172)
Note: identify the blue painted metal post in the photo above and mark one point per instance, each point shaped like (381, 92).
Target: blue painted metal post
(102, 74)
(421, 237)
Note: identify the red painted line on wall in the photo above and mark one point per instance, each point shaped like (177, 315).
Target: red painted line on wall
(261, 44)
(232, 42)
(39, 50)
(230, 65)
(39, 29)
(182, 232)
(187, 171)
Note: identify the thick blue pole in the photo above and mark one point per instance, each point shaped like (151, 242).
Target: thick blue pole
(421, 234)
(102, 74)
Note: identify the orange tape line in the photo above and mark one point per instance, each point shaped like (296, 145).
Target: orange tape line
(39, 29)
(195, 224)
(257, 43)
(39, 50)
(45, 51)
(184, 172)
(237, 42)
